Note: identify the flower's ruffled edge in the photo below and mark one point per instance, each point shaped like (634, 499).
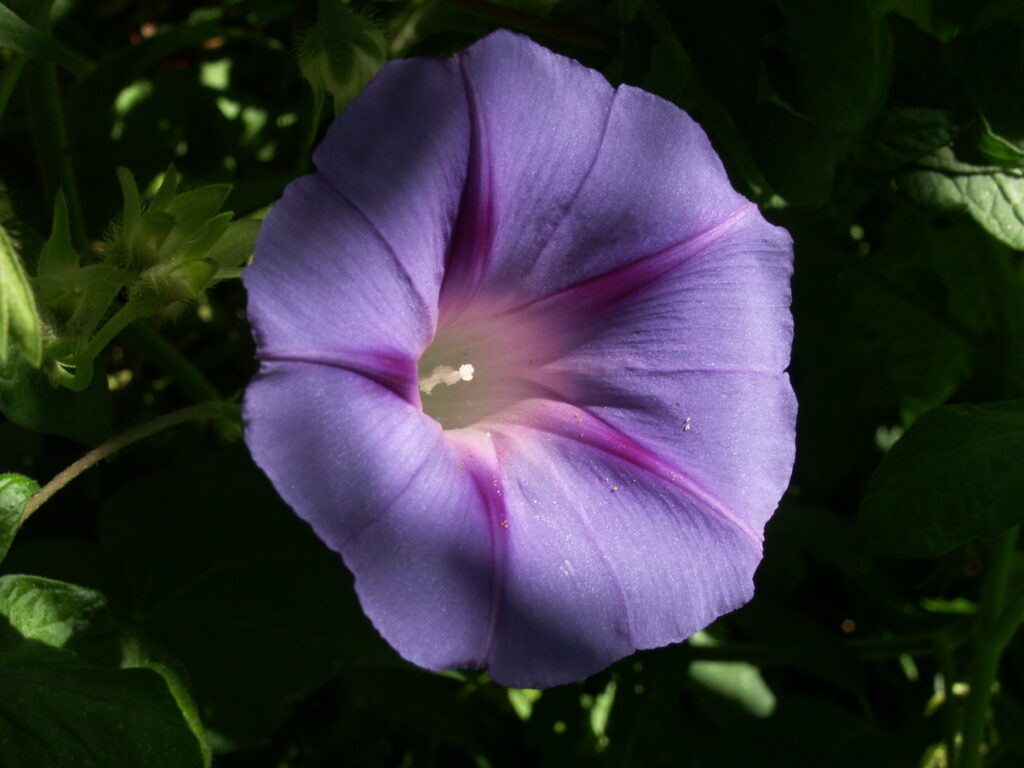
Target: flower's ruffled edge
(539, 551)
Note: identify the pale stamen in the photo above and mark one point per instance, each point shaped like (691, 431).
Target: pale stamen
(445, 374)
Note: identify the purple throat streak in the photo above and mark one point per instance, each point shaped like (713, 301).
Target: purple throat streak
(523, 354)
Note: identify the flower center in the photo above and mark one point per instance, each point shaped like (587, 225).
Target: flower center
(476, 369)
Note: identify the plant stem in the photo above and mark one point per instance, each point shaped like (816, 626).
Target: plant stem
(121, 319)
(988, 647)
(16, 63)
(943, 652)
(46, 117)
(193, 383)
(96, 455)
(83, 362)
(9, 79)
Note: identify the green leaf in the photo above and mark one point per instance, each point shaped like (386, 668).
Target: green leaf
(997, 149)
(18, 314)
(221, 569)
(670, 68)
(29, 400)
(15, 491)
(991, 195)
(903, 135)
(922, 305)
(924, 15)
(812, 112)
(738, 682)
(78, 690)
(957, 475)
(25, 39)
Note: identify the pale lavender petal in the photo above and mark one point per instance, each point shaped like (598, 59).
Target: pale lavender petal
(575, 179)
(381, 484)
(623, 427)
(353, 305)
(350, 261)
(608, 549)
(398, 154)
(690, 362)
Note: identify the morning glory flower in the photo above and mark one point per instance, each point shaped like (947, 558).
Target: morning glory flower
(523, 355)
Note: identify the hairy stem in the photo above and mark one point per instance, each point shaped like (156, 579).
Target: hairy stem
(96, 455)
(988, 647)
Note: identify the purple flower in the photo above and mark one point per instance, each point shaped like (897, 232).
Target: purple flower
(523, 357)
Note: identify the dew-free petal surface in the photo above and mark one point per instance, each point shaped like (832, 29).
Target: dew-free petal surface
(378, 481)
(326, 283)
(575, 178)
(351, 259)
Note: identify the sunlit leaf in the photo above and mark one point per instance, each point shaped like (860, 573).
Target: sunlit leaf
(79, 691)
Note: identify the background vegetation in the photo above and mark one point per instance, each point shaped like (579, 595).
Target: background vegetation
(165, 609)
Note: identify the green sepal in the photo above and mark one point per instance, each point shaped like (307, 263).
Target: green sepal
(176, 245)
(236, 245)
(19, 316)
(58, 256)
(73, 298)
(132, 212)
(203, 238)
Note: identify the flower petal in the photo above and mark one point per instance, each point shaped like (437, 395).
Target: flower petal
(573, 179)
(603, 555)
(398, 154)
(627, 313)
(690, 364)
(349, 262)
(381, 484)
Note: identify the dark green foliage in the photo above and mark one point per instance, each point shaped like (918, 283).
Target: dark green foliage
(226, 578)
(957, 475)
(29, 400)
(78, 691)
(166, 605)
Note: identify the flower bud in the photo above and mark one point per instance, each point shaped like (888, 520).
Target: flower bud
(73, 298)
(341, 53)
(178, 245)
(19, 319)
